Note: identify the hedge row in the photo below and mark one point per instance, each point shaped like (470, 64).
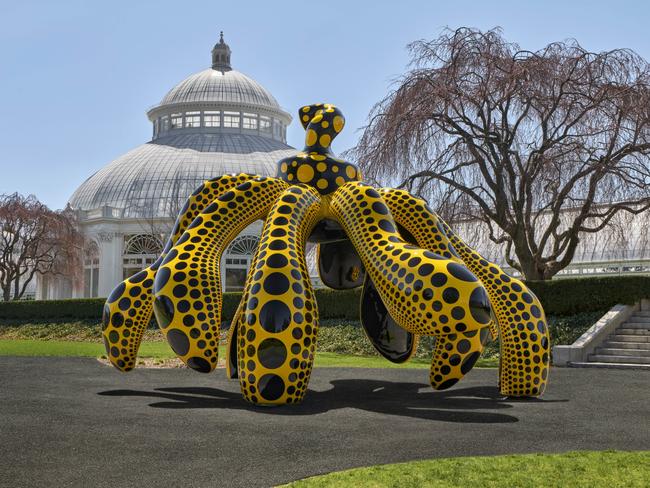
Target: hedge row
(559, 297)
(578, 295)
(331, 305)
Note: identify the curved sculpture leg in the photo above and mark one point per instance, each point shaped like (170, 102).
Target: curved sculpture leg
(422, 290)
(127, 313)
(454, 355)
(277, 332)
(187, 286)
(414, 215)
(525, 344)
(128, 309)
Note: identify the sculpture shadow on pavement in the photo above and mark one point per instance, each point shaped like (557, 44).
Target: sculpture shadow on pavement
(413, 400)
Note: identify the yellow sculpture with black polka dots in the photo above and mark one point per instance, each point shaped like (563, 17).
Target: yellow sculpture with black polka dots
(418, 278)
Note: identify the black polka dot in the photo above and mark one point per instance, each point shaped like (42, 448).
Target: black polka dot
(460, 272)
(450, 295)
(438, 280)
(469, 362)
(276, 261)
(276, 284)
(178, 341)
(226, 197)
(138, 277)
(380, 208)
(386, 225)
(116, 293)
(479, 306)
(280, 221)
(458, 313)
(272, 353)
(124, 303)
(277, 245)
(117, 319)
(180, 291)
(425, 270)
(463, 346)
(198, 364)
(275, 316)
(162, 277)
(271, 387)
(135, 291)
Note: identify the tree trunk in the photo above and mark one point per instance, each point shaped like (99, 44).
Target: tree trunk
(17, 293)
(531, 268)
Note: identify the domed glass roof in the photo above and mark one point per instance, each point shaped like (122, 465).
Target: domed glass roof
(153, 180)
(220, 86)
(215, 122)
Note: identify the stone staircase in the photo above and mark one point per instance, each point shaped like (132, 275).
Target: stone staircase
(628, 346)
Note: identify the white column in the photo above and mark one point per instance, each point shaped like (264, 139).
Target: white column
(110, 261)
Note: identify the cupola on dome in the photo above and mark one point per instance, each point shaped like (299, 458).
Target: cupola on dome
(214, 122)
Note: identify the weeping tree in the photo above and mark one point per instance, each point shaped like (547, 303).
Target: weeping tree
(538, 147)
(35, 240)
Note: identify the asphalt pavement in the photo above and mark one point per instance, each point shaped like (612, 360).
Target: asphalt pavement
(75, 422)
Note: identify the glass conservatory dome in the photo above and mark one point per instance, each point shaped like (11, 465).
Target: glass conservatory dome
(214, 122)
(212, 85)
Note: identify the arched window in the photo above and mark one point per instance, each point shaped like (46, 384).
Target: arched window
(140, 251)
(237, 259)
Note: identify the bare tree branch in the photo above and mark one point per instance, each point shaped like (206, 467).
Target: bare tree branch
(35, 240)
(548, 146)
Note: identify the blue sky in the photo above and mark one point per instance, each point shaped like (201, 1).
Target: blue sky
(76, 77)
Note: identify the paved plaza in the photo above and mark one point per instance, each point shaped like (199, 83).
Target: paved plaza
(76, 422)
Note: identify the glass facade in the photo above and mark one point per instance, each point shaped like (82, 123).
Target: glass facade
(212, 118)
(245, 121)
(177, 121)
(193, 119)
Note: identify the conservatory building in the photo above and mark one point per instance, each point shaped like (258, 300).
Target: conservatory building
(214, 122)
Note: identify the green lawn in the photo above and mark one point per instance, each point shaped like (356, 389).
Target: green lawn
(589, 469)
(160, 350)
(31, 347)
(332, 359)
